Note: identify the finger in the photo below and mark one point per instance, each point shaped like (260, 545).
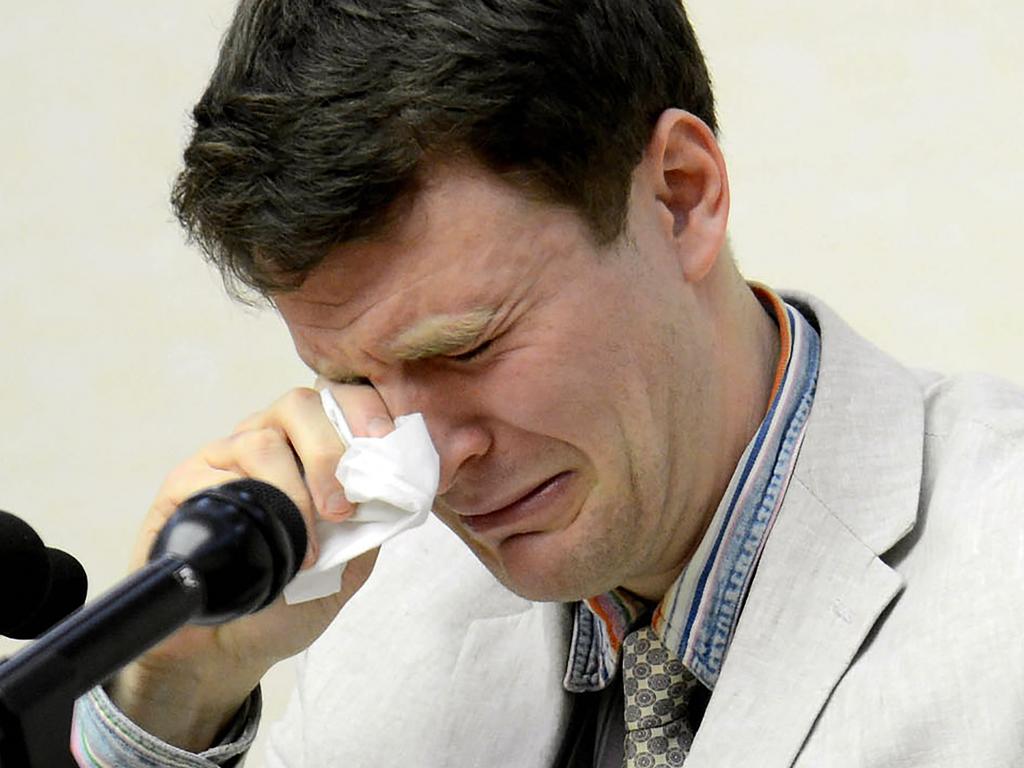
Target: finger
(266, 454)
(186, 480)
(317, 443)
(365, 411)
(252, 421)
(299, 417)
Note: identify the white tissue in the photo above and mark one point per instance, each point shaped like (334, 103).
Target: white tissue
(392, 480)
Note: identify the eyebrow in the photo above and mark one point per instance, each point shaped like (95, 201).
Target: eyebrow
(442, 334)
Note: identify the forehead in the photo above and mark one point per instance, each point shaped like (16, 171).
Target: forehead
(467, 244)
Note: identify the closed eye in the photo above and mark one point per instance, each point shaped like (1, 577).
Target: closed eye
(472, 354)
(345, 381)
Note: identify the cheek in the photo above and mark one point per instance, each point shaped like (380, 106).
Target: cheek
(554, 394)
(594, 401)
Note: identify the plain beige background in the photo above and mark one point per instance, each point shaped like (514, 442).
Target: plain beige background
(875, 153)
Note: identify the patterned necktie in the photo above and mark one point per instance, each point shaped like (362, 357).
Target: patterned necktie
(663, 702)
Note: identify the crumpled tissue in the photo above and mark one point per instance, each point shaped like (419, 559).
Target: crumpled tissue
(392, 480)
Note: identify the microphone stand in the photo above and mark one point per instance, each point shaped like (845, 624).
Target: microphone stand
(39, 684)
(225, 552)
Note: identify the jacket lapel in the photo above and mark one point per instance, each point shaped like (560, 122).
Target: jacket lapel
(820, 587)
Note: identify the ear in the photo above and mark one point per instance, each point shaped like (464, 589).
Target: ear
(688, 174)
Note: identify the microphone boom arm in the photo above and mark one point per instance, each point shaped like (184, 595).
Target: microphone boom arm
(38, 686)
(225, 552)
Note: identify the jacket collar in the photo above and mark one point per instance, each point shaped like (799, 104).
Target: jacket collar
(863, 452)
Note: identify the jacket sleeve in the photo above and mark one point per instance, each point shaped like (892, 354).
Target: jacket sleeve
(102, 735)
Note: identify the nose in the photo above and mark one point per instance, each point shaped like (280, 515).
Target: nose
(457, 445)
(455, 425)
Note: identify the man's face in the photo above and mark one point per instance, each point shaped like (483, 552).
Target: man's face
(564, 383)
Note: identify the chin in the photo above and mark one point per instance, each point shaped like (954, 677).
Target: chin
(538, 591)
(529, 574)
(542, 567)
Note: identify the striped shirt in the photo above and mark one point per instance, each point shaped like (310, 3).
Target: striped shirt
(698, 615)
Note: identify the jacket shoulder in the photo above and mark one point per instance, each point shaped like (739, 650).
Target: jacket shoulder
(973, 400)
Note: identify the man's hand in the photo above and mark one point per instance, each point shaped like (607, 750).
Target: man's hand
(186, 689)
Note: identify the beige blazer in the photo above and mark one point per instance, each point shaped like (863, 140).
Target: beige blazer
(883, 626)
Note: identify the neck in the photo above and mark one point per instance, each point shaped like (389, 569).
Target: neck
(754, 369)
(747, 368)
(748, 345)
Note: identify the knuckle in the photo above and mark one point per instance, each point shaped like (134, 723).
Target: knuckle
(321, 462)
(299, 400)
(259, 442)
(248, 423)
(291, 404)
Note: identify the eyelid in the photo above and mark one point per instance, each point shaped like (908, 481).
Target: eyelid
(472, 354)
(347, 381)
(321, 381)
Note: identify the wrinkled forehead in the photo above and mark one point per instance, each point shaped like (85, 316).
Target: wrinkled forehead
(466, 230)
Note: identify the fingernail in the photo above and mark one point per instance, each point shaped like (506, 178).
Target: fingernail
(378, 426)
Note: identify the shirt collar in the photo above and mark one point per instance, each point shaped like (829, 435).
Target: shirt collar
(699, 613)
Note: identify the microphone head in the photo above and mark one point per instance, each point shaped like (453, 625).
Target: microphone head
(68, 586)
(283, 511)
(245, 540)
(24, 571)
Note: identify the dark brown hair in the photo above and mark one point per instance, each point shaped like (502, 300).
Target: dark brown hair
(321, 114)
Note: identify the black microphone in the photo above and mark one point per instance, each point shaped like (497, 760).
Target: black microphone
(50, 583)
(225, 552)
(243, 541)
